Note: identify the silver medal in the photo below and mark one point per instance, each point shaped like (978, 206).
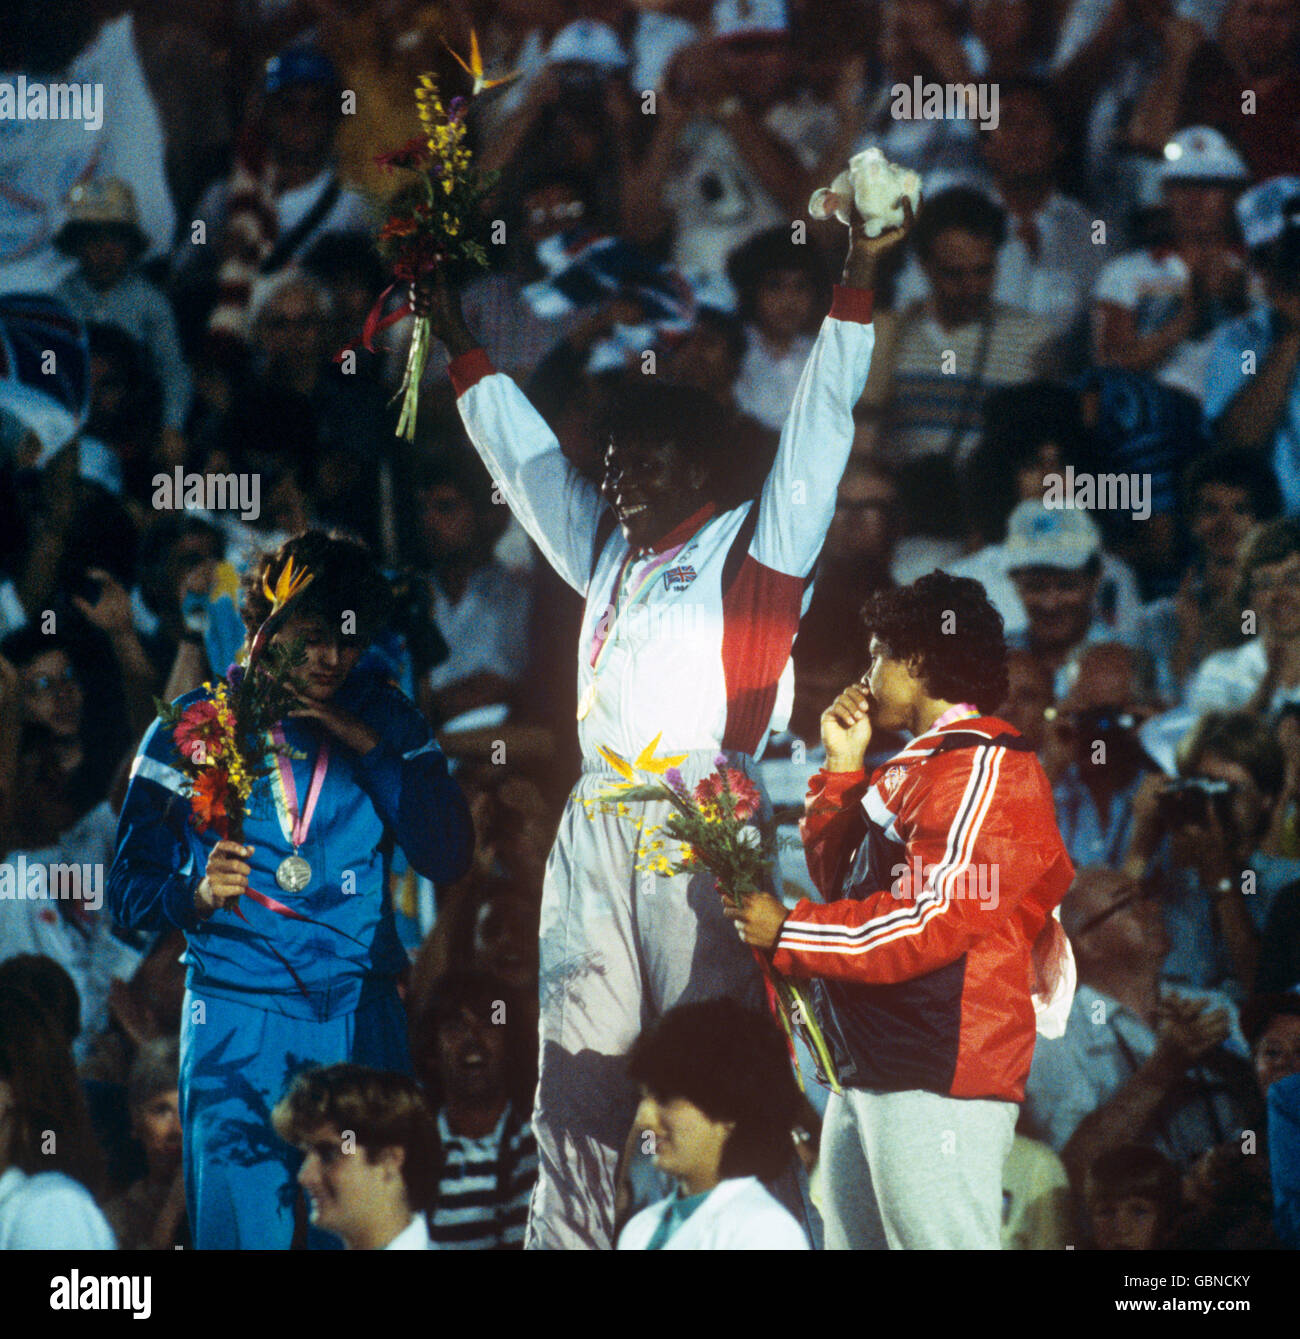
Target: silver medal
(293, 874)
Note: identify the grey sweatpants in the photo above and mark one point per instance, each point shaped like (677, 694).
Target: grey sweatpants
(914, 1171)
(619, 947)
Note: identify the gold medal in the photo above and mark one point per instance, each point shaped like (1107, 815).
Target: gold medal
(587, 701)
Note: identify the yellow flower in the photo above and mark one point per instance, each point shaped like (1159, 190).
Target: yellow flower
(287, 585)
(645, 761)
(475, 67)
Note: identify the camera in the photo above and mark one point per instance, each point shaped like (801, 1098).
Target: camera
(1099, 722)
(1189, 801)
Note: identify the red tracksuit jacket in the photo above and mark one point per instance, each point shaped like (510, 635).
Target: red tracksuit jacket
(939, 874)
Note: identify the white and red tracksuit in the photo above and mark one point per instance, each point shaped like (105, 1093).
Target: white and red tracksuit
(696, 662)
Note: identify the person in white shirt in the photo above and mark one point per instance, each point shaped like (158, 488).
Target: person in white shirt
(733, 151)
(1262, 675)
(47, 1151)
(1051, 256)
(1155, 308)
(479, 606)
(779, 285)
(692, 603)
(369, 1146)
(41, 159)
(278, 200)
(718, 1105)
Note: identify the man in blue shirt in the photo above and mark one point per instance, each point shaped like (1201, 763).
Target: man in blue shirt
(1252, 385)
(291, 949)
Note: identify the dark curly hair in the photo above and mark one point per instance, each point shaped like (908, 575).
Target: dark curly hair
(345, 578)
(482, 994)
(732, 1063)
(1260, 1010)
(949, 625)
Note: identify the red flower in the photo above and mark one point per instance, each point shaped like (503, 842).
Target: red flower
(413, 154)
(198, 725)
(210, 799)
(397, 227)
(420, 257)
(744, 793)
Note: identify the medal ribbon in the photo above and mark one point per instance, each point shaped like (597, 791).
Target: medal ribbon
(601, 644)
(960, 712)
(286, 794)
(294, 826)
(271, 904)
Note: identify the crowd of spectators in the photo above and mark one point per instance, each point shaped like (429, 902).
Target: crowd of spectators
(1102, 284)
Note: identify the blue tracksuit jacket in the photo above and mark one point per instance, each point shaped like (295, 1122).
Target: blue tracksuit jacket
(400, 789)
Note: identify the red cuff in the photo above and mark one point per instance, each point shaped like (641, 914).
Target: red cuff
(852, 304)
(834, 784)
(468, 370)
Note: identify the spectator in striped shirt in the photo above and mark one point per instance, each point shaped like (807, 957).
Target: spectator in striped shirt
(937, 360)
(472, 1049)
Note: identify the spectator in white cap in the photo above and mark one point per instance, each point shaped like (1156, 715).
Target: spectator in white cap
(575, 119)
(1155, 307)
(103, 232)
(1054, 558)
(1253, 385)
(1203, 79)
(521, 43)
(733, 151)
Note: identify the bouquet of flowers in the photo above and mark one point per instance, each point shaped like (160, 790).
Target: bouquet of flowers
(221, 739)
(716, 828)
(430, 221)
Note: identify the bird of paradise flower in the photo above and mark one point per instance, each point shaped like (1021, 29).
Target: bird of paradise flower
(716, 830)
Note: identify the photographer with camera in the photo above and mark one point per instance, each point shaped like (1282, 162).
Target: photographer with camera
(1199, 838)
(1141, 1060)
(1095, 729)
(1256, 399)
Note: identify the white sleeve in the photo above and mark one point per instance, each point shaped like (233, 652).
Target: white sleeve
(798, 498)
(1115, 284)
(552, 501)
(60, 1216)
(1214, 689)
(135, 147)
(1059, 1092)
